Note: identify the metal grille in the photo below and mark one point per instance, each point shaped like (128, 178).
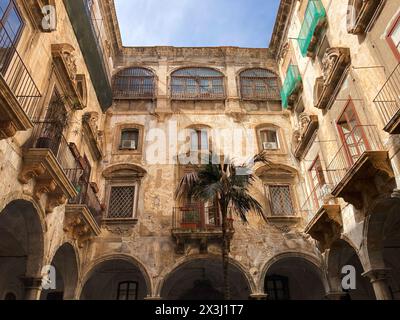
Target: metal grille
(121, 202)
(281, 201)
(197, 83)
(259, 84)
(134, 83)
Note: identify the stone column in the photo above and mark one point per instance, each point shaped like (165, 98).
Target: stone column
(153, 298)
(258, 296)
(379, 281)
(336, 295)
(33, 288)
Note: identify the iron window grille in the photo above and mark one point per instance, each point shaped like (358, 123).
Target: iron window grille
(281, 200)
(121, 204)
(134, 83)
(197, 84)
(259, 84)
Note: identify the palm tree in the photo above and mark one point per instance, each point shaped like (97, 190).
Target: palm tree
(227, 185)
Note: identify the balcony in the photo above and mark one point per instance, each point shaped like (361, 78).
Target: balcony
(199, 224)
(291, 87)
(335, 64)
(83, 213)
(314, 22)
(361, 169)
(87, 33)
(19, 94)
(388, 102)
(303, 136)
(48, 159)
(362, 15)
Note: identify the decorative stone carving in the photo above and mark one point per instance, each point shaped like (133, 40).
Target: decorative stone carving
(372, 166)
(302, 137)
(335, 62)
(41, 165)
(80, 224)
(362, 14)
(326, 226)
(66, 69)
(90, 128)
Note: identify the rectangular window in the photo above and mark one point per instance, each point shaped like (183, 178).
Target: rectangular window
(122, 200)
(127, 290)
(352, 133)
(269, 139)
(129, 139)
(393, 38)
(199, 140)
(281, 200)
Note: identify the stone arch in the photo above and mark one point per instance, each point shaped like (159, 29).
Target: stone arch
(22, 241)
(167, 274)
(127, 260)
(66, 262)
(340, 254)
(315, 264)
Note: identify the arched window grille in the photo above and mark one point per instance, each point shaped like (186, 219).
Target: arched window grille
(197, 83)
(134, 83)
(259, 84)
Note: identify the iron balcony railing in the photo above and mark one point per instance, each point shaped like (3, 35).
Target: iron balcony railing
(133, 88)
(361, 139)
(16, 75)
(314, 14)
(319, 196)
(197, 217)
(388, 98)
(48, 135)
(292, 81)
(87, 196)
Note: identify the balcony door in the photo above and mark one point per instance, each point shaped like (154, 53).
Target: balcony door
(318, 182)
(352, 134)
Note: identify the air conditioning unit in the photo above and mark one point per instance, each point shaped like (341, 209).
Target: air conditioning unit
(128, 144)
(270, 145)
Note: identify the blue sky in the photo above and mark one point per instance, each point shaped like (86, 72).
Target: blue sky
(244, 23)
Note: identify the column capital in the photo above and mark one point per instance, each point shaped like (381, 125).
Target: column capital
(258, 296)
(377, 274)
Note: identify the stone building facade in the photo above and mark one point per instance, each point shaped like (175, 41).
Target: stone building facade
(95, 137)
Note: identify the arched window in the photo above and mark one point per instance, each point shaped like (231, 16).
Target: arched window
(197, 83)
(134, 83)
(259, 84)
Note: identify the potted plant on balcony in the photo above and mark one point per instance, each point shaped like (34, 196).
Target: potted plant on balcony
(228, 185)
(190, 220)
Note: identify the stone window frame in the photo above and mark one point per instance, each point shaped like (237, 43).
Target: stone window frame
(115, 182)
(392, 45)
(282, 149)
(117, 139)
(280, 175)
(290, 186)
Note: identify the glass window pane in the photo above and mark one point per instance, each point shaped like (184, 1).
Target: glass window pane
(13, 24)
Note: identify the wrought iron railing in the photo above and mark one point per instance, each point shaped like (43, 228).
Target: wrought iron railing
(48, 135)
(197, 217)
(292, 81)
(16, 75)
(87, 196)
(361, 139)
(388, 98)
(314, 14)
(125, 88)
(319, 196)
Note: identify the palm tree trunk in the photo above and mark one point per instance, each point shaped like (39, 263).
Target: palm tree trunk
(225, 252)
